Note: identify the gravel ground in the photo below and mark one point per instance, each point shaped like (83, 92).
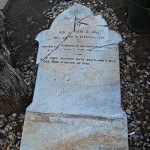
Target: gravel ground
(134, 80)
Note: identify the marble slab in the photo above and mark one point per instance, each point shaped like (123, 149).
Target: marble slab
(73, 132)
(79, 68)
(78, 80)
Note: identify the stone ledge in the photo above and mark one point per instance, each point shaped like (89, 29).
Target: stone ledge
(67, 132)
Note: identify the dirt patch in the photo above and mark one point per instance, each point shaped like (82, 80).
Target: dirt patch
(24, 20)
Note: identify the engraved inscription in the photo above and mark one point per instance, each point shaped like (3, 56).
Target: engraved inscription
(80, 48)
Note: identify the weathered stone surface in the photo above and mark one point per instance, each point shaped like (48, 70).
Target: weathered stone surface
(78, 75)
(73, 132)
(83, 66)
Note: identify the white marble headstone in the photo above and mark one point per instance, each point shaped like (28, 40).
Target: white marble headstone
(77, 103)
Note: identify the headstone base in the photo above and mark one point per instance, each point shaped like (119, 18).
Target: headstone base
(73, 132)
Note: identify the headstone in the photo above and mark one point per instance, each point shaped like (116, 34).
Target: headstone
(77, 103)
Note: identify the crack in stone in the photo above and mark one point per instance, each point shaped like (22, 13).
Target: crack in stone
(72, 33)
(103, 25)
(103, 46)
(81, 116)
(37, 107)
(75, 19)
(63, 40)
(84, 23)
(85, 17)
(56, 47)
(89, 24)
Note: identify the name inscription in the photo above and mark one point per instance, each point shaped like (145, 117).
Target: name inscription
(80, 48)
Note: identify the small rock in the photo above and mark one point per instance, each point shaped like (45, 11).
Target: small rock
(14, 115)
(1, 123)
(128, 111)
(11, 137)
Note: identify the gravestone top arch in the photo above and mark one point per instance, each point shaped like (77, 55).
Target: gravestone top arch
(77, 92)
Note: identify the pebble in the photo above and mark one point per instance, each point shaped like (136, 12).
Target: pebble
(128, 111)
(10, 135)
